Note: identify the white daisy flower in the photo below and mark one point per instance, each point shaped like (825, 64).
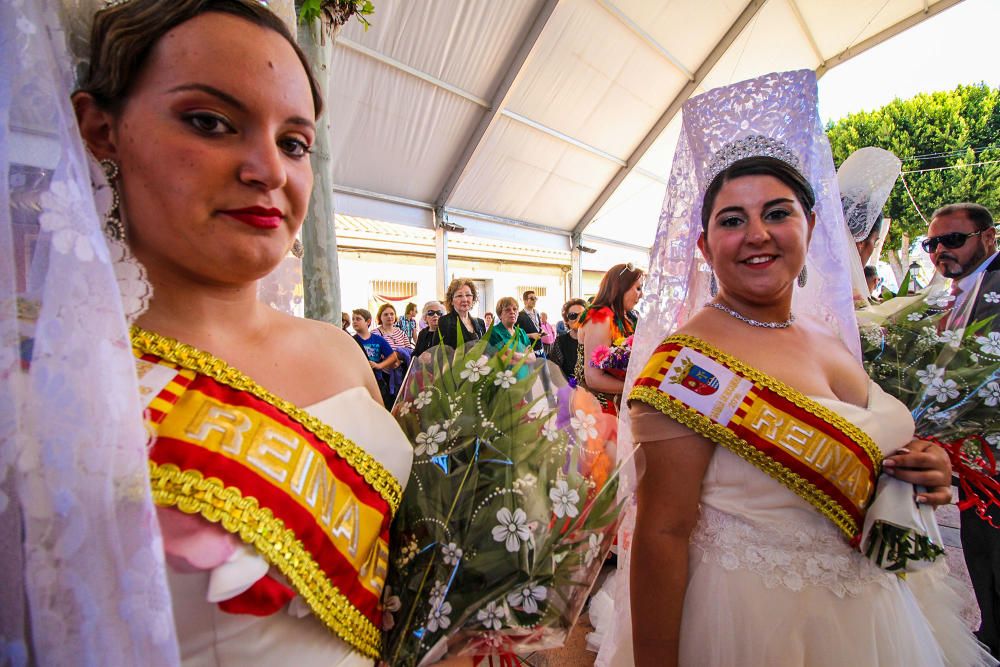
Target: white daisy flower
(992, 297)
(990, 343)
(940, 299)
(512, 529)
(527, 598)
(452, 554)
(593, 548)
(549, 430)
(942, 390)
(439, 616)
(475, 369)
(585, 425)
(564, 499)
(990, 393)
(431, 440)
(913, 317)
(492, 616)
(952, 337)
(439, 590)
(423, 399)
(505, 379)
(930, 373)
(403, 408)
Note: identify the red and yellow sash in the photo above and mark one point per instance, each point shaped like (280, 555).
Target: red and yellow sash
(817, 454)
(310, 501)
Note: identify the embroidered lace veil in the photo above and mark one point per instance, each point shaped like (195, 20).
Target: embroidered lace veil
(83, 579)
(780, 106)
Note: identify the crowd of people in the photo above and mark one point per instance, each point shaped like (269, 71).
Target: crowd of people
(276, 467)
(395, 342)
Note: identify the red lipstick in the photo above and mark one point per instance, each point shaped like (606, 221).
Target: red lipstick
(257, 216)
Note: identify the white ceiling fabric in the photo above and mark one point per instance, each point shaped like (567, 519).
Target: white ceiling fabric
(585, 132)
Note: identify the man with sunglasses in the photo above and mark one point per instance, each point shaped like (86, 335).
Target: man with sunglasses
(961, 241)
(529, 320)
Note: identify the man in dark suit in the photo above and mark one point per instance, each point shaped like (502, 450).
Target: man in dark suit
(529, 320)
(961, 240)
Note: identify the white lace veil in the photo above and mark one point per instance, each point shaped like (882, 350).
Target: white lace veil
(83, 579)
(866, 179)
(779, 106)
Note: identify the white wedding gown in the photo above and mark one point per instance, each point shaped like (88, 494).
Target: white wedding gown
(772, 583)
(210, 637)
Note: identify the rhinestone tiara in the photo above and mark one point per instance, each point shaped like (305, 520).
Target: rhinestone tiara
(751, 146)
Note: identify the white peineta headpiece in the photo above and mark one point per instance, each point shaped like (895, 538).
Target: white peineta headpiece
(866, 179)
(755, 145)
(773, 115)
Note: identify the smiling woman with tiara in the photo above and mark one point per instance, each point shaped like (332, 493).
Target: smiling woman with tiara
(776, 472)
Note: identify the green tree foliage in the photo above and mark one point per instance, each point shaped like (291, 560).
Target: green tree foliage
(929, 131)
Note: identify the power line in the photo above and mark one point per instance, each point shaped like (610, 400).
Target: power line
(954, 166)
(945, 154)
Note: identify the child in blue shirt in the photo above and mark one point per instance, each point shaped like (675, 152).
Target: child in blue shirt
(380, 354)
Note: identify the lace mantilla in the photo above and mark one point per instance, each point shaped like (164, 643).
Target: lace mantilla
(793, 557)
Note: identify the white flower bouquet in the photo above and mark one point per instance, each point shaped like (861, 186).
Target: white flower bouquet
(509, 511)
(946, 369)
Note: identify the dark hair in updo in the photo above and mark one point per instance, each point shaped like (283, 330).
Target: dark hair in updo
(124, 35)
(758, 165)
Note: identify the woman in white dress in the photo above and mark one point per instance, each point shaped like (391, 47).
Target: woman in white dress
(762, 436)
(275, 517)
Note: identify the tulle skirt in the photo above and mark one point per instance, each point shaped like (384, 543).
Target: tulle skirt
(732, 618)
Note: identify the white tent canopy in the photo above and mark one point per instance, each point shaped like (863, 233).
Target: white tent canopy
(554, 121)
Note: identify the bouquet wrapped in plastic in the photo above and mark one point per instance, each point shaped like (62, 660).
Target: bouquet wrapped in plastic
(613, 359)
(925, 352)
(509, 511)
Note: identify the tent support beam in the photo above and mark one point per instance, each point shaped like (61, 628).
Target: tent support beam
(476, 215)
(440, 256)
(562, 137)
(500, 96)
(646, 37)
(805, 30)
(747, 15)
(930, 9)
(412, 71)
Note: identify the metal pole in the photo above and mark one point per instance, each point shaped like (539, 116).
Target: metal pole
(320, 268)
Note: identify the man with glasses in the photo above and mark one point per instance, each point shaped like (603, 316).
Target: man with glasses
(529, 320)
(961, 241)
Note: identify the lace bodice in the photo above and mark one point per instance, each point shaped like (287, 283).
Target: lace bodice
(750, 521)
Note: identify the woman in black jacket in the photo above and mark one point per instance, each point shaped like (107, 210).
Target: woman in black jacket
(459, 299)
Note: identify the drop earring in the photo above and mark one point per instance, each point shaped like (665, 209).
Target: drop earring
(713, 285)
(298, 250)
(803, 277)
(114, 228)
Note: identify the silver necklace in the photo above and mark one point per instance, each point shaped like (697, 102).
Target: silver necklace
(752, 322)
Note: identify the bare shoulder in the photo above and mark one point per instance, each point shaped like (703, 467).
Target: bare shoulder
(321, 347)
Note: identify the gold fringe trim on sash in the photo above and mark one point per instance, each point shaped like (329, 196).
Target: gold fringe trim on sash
(191, 358)
(190, 492)
(721, 435)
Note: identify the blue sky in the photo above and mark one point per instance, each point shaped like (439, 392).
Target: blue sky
(957, 46)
